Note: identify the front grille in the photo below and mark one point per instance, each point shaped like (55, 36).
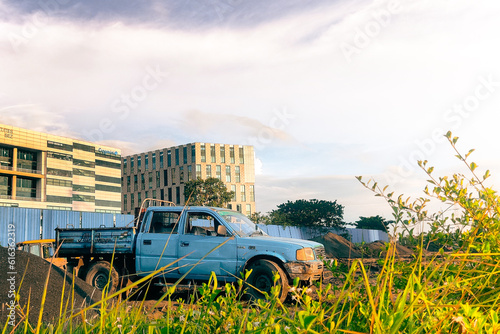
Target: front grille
(320, 253)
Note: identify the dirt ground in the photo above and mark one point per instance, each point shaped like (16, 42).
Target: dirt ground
(29, 274)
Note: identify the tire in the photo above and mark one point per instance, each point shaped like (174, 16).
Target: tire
(261, 279)
(98, 275)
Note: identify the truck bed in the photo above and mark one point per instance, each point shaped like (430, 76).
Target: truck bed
(95, 241)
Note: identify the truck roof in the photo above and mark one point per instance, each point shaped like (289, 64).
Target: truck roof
(187, 208)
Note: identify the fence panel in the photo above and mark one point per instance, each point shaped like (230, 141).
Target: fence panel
(96, 219)
(123, 220)
(58, 218)
(26, 224)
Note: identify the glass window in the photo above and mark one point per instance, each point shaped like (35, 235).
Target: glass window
(85, 163)
(209, 171)
(212, 152)
(222, 154)
(164, 222)
(154, 160)
(60, 146)
(102, 187)
(201, 224)
(231, 153)
(169, 158)
(87, 173)
(146, 161)
(198, 171)
(109, 179)
(83, 147)
(60, 156)
(189, 173)
(228, 173)
(139, 158)
(59, 199)
(161, 160)
(218, 172)
(59, 183)
(185, 155)
(203, 153)
(82, 188)
(26, 187)
(177, 157)
(83, 198)
(108, 164)
(243, 193)
(59, 172)
(237, 174)
(193, 154)
(242, 155)
(233, 189)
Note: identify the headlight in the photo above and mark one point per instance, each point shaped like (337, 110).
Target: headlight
(305, 254)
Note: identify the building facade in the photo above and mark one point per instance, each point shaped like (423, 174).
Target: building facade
(39, 170)
(161, 174)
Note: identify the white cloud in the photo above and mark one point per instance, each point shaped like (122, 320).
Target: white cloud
(225, 83)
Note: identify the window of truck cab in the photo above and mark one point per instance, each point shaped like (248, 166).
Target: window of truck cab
(164, 222)
(202, 223)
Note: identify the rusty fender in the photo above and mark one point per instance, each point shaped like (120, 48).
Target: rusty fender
(305, 271)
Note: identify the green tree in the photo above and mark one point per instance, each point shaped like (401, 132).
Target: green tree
(260, 218)
(310, 213)
(207, 192)
(373, 223)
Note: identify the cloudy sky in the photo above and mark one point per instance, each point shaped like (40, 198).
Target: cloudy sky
(324, 90)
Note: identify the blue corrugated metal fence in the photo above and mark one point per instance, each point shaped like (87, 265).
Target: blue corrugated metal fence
(32, 224)
(355, 235)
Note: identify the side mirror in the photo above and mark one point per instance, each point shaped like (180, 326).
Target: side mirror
(221, 230)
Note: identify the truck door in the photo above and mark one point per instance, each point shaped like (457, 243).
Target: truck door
(199, 238)
(157, 243)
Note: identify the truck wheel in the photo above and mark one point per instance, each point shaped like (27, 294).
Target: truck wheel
(261, 279)
(98, 275)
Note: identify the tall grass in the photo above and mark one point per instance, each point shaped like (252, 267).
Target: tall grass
(456, 291)
(451, 294)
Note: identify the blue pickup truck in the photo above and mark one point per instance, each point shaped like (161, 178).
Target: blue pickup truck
(198, 241)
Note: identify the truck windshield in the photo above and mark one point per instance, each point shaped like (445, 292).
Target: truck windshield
(240, 224)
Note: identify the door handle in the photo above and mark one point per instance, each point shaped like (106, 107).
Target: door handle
(184, 244)
(146, 242)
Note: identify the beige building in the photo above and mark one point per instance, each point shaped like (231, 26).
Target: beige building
(39, 170)
(161, 174)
